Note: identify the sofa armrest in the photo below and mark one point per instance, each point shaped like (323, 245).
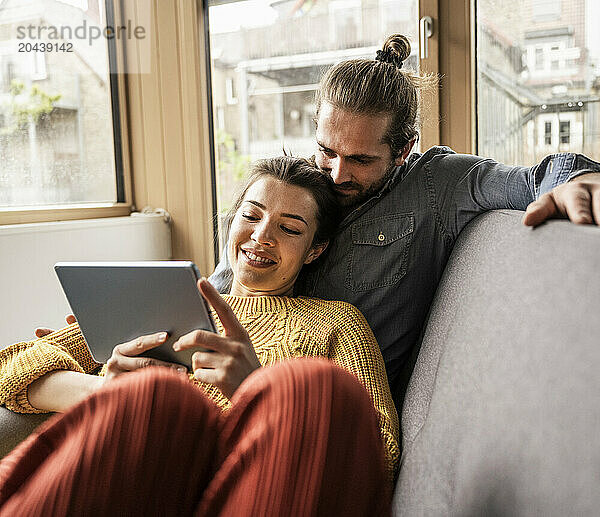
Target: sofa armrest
(15, 427)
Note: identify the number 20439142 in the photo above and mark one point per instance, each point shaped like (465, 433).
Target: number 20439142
(45, 47)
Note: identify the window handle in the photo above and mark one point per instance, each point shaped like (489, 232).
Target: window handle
(425, 32)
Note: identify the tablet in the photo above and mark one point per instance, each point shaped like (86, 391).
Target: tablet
(115, 302)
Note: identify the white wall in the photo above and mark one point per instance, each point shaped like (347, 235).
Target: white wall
(30, 294)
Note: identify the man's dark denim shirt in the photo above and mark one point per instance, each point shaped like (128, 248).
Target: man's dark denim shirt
(390, 252)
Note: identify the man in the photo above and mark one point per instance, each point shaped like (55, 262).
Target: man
(403, 211)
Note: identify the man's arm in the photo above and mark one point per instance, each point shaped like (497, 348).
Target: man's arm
(466, 186)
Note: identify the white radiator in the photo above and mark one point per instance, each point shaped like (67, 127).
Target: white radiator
(30, 293)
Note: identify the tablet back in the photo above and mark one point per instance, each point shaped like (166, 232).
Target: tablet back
(115, 302)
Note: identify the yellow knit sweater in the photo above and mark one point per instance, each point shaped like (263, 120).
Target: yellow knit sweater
(280, 328)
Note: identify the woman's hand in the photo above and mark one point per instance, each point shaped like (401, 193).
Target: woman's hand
(125, 358)
(44, 331)
(227, 360)
(59, 390)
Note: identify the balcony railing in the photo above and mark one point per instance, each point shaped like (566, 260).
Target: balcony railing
(350, 28)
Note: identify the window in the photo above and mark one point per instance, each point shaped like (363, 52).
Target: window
(345, 21)
(539, 58)
(554, 57)
(59, 106)
(549, 59)
(549, 105)
(564, 134)
(548, 133)
(269, 57)
(230, 91)
(545, 10)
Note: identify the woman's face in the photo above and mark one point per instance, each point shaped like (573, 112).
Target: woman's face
(271, 238)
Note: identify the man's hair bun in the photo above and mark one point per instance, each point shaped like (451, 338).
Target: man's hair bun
(379, 86)
(395, 51)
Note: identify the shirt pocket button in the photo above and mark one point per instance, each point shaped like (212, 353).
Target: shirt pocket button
(381, 237)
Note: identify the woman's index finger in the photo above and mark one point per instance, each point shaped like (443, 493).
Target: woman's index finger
(228, 319)
(201, 339)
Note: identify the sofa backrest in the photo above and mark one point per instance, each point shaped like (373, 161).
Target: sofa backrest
(502, 413)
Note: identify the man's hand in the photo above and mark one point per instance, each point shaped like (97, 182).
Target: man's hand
(125, 358)
(44, 331)
(579, 200)
(228, 359)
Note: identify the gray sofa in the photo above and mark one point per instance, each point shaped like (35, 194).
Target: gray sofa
(502, 412)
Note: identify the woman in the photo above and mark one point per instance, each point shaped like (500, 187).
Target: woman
(282, 220)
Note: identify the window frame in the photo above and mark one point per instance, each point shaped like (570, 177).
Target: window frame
(124, 204)
(432, 131)
(457, 70)
(168, 115)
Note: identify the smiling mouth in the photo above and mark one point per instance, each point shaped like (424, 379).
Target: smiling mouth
(257, 261)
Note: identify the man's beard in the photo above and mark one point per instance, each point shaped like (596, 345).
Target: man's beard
(360, 194)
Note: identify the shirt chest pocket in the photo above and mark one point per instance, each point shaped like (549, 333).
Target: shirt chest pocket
(379, 252)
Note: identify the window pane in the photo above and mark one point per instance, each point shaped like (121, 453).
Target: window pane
(267, 59)
(565, 132)
(548, 133)
(538, 78)
(56, 128)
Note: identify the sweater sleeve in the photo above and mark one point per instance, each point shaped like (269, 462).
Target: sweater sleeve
(355, 349)
(25, 362)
